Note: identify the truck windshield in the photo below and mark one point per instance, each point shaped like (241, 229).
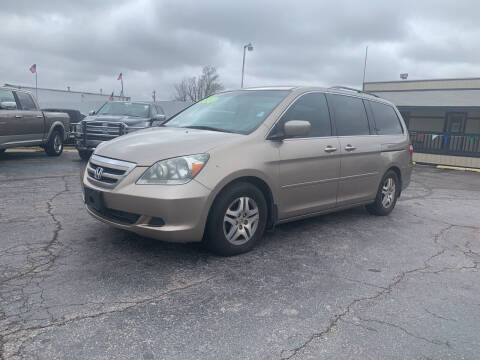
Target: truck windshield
(238, 112)
(125, 109)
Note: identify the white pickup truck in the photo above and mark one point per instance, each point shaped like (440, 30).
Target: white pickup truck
(22, 123)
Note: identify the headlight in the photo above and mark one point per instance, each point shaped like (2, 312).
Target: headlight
(175, 171)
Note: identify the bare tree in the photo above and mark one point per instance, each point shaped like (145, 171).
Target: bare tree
(195, 89)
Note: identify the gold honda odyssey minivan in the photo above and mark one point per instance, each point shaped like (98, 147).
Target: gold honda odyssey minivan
(239, 162)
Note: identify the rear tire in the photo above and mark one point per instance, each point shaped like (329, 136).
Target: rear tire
(54, 146)
(85, 154)
(237, 220)
(387, 195)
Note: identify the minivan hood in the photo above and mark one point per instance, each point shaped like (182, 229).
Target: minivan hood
(146, 147)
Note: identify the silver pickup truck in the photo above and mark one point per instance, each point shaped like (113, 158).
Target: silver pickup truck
(22, 123)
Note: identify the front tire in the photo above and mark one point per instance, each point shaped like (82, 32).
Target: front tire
(237, 220)
(387, 195)
(54, 146)
(84, 154)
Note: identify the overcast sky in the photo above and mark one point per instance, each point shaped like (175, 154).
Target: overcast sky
(86, 44)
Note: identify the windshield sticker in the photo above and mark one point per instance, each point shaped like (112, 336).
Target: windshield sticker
(209, 100)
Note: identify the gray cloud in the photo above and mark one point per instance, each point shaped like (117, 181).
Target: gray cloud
(85, 44)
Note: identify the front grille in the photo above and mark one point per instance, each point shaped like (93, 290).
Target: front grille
(106, 172)
(103, 131)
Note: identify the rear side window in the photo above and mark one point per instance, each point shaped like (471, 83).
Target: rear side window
(386, 119)
(313, 108)
(6, 96)
(350, 115)
(26, 101)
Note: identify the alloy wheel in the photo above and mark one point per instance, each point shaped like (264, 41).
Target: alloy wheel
(57, 143)
(388, 192)
(241, 220)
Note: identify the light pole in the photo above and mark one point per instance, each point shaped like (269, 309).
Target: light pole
(249, 46)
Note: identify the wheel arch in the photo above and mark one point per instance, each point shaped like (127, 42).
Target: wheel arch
(398, 172)
(57, 125)
(262, 185)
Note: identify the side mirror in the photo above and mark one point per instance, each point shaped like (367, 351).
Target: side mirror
(92, 112)
(159, 119)
(8, 105)
(295, 128)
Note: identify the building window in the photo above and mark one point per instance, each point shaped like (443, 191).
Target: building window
(472, 126)
(455, 122)
(427, 120)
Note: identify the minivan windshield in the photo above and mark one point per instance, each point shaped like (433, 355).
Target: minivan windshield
(240, 111)
(125, 109)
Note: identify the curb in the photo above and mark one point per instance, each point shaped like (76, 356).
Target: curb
(458, 168)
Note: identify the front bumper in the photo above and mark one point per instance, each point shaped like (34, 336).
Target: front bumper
(89, 145)
(183, 209)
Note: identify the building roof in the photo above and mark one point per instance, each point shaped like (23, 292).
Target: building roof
(426, 84)
(449, 98)
(32, 88)
(433, 92)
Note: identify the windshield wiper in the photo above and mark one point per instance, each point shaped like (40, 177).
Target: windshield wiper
(202, 127)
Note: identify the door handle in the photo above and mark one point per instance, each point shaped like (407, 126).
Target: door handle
(350, 147)
(329, 149)
(19, 116)
(40, 116)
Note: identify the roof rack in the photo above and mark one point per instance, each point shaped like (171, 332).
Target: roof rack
(352, 89)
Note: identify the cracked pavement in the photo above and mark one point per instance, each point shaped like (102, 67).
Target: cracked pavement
(341, 286)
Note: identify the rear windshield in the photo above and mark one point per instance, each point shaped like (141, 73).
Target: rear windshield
(238, 112)
(125, 109)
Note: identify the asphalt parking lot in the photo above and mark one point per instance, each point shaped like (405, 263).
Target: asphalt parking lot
(342, 286)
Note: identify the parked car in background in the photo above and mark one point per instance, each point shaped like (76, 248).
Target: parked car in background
(75, 117)
(238, 162)
(22, 123)
(113, 119)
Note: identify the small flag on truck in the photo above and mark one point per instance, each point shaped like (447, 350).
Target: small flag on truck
(33, 68)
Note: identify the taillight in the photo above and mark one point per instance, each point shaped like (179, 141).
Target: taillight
(410, 150)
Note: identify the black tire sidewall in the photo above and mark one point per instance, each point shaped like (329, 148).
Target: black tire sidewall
(50, 146)
(215, 239)
(84, 154)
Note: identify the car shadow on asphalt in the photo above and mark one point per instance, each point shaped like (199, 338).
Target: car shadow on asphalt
(22, 155)
(284, 233)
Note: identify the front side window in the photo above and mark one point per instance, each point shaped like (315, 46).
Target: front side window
(386, 119)
(26, 101)
(125, 109)
(312, 108)
(350, 115)
(240, 111)
(6, 96)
